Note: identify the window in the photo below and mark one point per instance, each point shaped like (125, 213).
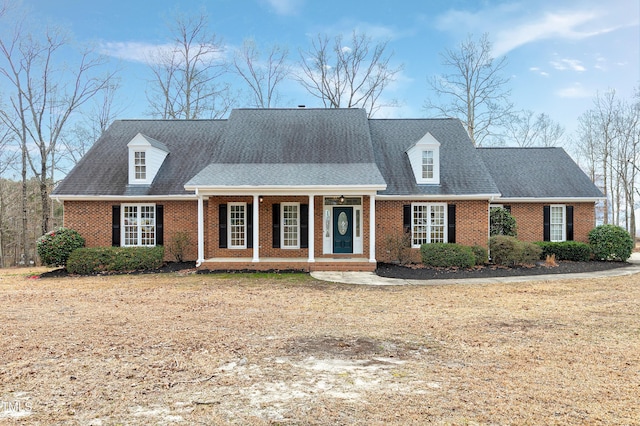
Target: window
(428, 223)
(427, 164)
(290, 225)
(237, 225)
(557, 223)
(140, 165)
(139, 224)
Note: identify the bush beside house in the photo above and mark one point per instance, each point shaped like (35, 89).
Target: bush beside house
(55, 247)
(112, 259)
(610, 242)
(566, 250)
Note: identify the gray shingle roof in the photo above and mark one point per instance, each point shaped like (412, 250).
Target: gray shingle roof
(537, 173)
(319, 147)
(296, 136)
(462, 171)
(103, 169)
(269, 174)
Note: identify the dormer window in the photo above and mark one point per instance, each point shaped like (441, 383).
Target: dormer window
(140, 165)
(427, 164)
(424, 157)
(146, 156)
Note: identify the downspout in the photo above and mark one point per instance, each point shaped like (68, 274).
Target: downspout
(491, 199)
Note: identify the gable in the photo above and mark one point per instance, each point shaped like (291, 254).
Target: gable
(145, 158)
(424, 157)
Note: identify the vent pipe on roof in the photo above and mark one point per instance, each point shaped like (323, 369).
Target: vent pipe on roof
(301, 106)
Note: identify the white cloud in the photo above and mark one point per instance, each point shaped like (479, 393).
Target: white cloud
(143, 52)
(285, 7)
(568, 64)
(539, 71)
(575, 91)
(512, 25)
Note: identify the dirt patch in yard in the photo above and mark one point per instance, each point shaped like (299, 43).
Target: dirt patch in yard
(286, 349)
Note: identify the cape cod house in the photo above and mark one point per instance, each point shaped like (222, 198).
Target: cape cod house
(314, 189)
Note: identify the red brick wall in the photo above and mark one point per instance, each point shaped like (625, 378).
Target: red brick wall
(529, 219)
(92, 219)
(472, 224)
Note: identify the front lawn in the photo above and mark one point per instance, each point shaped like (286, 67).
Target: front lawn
(241, 349)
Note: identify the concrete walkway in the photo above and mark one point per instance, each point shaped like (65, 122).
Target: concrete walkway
(370, 278)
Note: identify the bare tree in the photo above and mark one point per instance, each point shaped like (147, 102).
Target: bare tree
(44, 95)
(526, 130)
(475, 91)
(261, 76)
(187, 74)
(348, 74)
(95, 120)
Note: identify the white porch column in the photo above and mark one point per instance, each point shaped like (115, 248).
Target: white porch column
(312, 232)
(372, 228)
(200, 230)
(256, 229)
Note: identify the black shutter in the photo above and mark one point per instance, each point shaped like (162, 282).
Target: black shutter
(276, 225)
(304, 225)
(507, 207)
(159, 224)
(406, 218)
(115, 226)
(569, 213)
(249, 225)
(451, 223)
(546, 222)
(222, 226)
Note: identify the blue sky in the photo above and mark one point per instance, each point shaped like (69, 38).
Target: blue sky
(560, 53)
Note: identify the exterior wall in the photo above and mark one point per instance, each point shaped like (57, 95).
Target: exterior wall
(529, 220)
(92, 219)
(472, 225)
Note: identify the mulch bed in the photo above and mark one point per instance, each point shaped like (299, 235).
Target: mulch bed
(420, 272)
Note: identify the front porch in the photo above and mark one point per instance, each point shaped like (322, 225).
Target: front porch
(355, 264)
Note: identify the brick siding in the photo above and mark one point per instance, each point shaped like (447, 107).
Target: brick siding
(529, 220)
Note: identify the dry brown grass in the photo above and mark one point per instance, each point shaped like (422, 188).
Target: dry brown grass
(160, 349)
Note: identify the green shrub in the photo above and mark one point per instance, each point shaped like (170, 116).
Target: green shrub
(55, 246)
(481, 255)
(86, 261)
(446, 255)
(501, 222)
(566, 250)
(509, 251)
(610, 242)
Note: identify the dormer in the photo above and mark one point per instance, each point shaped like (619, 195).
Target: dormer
(146, 155)
(424, 157)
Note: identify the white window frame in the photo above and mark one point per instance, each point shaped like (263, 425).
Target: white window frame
(231, 228)
(284, 226)
(429, 209)
(431, 165)
(140, 168)
(562, 223)
(138, 225)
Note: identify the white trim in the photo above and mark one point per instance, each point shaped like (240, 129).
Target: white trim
(549, 200)
(282, 225)
(287, 189)
(139, 225)
(445, 233)
(311, 230)
(563, 223)
(372, 229)
(430, 198)
(229, 226)
(200, 231)
(256, 228)
(124, 198)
